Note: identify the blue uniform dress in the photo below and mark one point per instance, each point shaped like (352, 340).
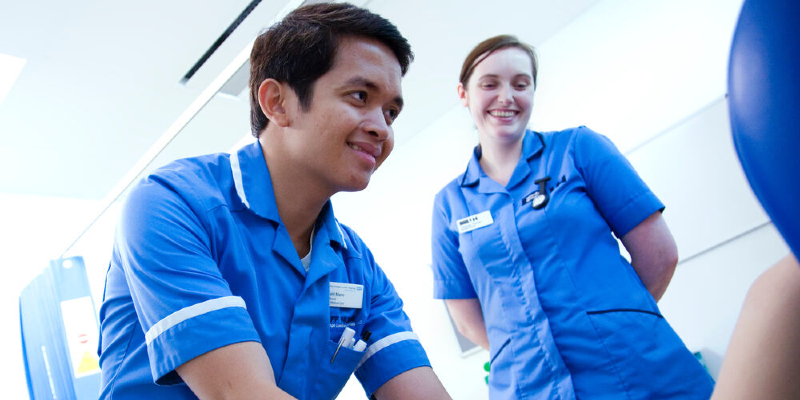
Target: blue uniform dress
(202, 260)
(566, 315)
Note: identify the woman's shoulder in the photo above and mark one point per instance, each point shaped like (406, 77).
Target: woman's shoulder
(567, 134)
(576, 139)
(451, 187)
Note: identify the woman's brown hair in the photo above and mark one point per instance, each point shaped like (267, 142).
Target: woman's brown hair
(489, 46)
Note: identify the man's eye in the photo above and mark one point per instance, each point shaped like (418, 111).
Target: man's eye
(392, 114)
(360, 95)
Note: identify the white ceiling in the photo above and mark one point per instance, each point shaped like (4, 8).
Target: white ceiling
(102, 79)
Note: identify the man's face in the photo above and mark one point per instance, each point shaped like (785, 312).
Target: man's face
(346, 134)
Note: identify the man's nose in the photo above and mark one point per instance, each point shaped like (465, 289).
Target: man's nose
(376, 125)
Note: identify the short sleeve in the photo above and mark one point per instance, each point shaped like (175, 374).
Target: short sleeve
(182, 302)
(394, 348)
(450, 276)
(622, 197)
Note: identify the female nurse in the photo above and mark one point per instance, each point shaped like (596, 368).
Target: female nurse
(525, 257)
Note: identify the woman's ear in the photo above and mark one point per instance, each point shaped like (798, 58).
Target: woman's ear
(462, 94)
(272, 98)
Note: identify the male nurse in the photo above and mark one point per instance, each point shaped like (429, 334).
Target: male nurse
(231, 277)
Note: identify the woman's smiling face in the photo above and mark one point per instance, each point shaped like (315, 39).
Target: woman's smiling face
(499, 95)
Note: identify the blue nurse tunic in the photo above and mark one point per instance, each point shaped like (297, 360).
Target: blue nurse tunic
(202, 260)
(566, 315)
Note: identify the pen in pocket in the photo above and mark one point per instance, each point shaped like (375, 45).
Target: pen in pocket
(347, 336)
(362, 343)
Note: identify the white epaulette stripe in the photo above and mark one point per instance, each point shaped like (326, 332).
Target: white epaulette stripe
(341, 232)
(237, 178)
(386, 342)
(190, 312)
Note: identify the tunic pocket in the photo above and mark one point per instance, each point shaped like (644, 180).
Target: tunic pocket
(330, 377)
(649, 357)
(499, 373)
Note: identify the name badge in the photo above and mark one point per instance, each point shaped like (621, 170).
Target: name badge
(346, 295)
(474, 222)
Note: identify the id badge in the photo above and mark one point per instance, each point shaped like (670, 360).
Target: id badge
(474, 222)
(346, 295)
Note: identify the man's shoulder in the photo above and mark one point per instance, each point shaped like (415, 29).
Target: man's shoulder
(204, 167)
(205, 180)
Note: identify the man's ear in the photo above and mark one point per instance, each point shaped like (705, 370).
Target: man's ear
(272, 98)
(462, 94)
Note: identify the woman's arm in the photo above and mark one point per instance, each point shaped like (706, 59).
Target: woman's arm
(468, 316)
(654, 254)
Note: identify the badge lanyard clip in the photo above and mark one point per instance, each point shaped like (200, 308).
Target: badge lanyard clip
(540, 197)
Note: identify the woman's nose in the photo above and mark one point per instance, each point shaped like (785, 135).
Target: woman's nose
(504, 95)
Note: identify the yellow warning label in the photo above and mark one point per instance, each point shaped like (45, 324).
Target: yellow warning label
(89, 363)
(80, 325)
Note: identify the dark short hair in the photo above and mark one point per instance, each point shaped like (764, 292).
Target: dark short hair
(489, 46)
(301, 48)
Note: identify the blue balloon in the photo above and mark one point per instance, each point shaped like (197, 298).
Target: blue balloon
(763, 92)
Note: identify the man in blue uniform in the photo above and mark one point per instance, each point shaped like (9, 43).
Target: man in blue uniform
(231, 277)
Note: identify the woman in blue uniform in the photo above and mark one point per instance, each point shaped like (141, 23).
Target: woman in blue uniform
(525, 257)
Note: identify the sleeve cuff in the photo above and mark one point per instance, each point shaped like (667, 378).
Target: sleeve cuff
(452, 289)
(634, 213)
(196, 336)
(390, 360)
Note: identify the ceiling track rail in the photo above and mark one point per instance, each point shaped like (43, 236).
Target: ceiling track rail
(221, 39)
